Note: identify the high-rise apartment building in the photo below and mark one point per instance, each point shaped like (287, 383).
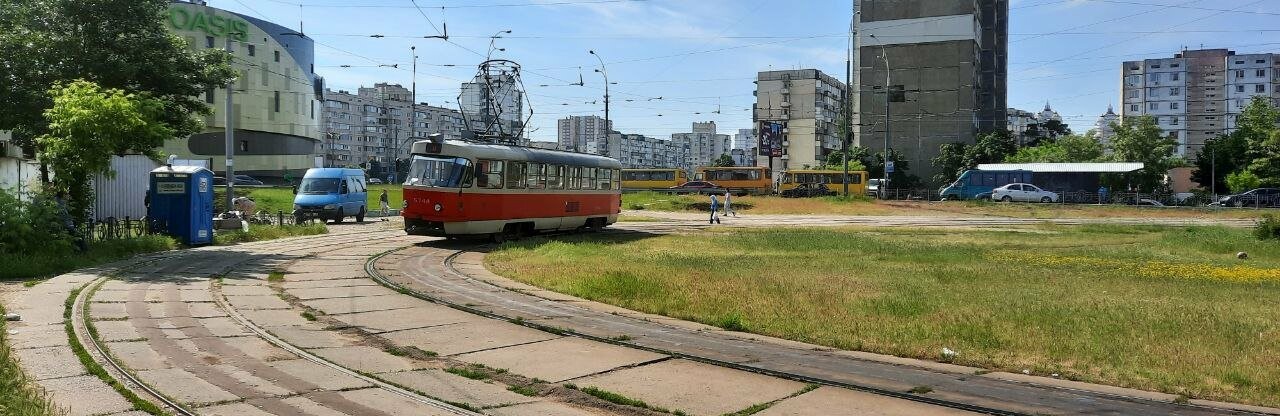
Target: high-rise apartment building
(806, 102)
(374, 124)
(636, 151)
(573, 132)
(1102, 128)
(945, 66)
(700, 147)
(1197, 94)
(745, 148)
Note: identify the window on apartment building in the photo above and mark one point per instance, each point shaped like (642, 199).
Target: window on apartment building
(253, 50)
(1239, 88)
(275, 102)
(1173, 121)
(1174, 106)
(1174, 76)
(1260, 61)
(1211, 118)
(1174, 65)
(1260, 88)
(1239, 62)
(1133, 108)
(1155, 77)
(1239, 73)
(1155, 65)
(1131, 94)
(1175, 91)
(208, 95)
(277, 56)
(1153, 106)
(208, 42)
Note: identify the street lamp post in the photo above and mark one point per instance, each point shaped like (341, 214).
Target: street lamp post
(230, 142)
(884, 54)
(848, 98)
(413, 117)
(607, 128)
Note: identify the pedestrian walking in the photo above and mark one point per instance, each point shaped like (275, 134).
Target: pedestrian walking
(728, 204)
(386, 206)
(715, 207)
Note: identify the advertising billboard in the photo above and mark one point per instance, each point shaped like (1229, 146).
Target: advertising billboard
(770, 139)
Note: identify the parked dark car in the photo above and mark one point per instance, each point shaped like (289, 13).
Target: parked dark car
(697, 187)
(807, 190)
(1261, 197)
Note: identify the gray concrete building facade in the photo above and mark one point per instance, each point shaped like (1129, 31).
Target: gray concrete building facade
(946, 68)
(374, 125)
(573, 132)
(807, 103)
(700, 147)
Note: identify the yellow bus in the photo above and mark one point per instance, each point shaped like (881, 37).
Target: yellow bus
(744, 180)
(647, 179)
(832, 178)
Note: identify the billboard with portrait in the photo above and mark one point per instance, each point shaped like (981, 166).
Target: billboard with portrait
(770, 139)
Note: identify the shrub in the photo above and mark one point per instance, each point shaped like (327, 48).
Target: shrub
(1268, 227)
(1242, 181)
(31, 226)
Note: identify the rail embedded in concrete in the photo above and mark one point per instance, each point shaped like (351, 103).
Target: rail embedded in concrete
(441, 282)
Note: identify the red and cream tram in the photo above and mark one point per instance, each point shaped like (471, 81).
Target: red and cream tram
(460, 188)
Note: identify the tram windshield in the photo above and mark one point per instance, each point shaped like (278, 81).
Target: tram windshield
(437, 171)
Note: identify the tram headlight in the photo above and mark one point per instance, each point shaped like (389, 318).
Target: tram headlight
(438, 207)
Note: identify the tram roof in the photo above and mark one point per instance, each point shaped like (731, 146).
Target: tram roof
(518, 153)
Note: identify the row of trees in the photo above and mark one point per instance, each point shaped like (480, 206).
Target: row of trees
(1136, 139)
(82, 81)
(1248, 157)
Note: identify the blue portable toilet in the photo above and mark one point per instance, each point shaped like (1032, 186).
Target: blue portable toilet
(182, 203)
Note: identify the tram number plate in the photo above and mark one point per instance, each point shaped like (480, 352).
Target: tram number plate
(571, 206)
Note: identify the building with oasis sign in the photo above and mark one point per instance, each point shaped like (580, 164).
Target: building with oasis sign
(276, 97)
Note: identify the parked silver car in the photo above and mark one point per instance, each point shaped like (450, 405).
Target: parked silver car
(1022, 192)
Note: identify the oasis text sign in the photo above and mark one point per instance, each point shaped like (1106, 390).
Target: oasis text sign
(182, 18)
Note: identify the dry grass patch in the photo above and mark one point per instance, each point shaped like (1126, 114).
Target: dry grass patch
(1166, 309)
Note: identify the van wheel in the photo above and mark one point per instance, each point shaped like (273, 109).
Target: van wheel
(1006, 198)
(338, 219)
(360, 216)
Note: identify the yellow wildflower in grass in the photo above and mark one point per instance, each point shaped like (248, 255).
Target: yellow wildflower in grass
(1153, 269)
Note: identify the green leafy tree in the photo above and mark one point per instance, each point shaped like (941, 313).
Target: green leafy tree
(950, 162)
(1054, 129)
(723, 161)
(120, 44)
(1242, 181)
(835, 159)
(1067, 149)
(87, 125)
(1139, 139)
(1220, 157)
(1257, 123)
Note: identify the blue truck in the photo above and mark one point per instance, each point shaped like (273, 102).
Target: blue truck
(977, 184)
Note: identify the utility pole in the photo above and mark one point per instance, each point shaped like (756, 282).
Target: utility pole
(229, 126)
(607, 128)
(413, 116)
(848, 99)
(884, 54)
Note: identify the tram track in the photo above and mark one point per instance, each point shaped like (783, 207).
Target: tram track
(376, 275)
(80, 321)
(988, 396)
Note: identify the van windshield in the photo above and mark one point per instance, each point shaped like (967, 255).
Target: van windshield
(318, 186)
(437, 171)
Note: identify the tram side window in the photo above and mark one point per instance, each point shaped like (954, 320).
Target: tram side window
(588, 178)
(516, 175)
(537, 176)
(555, 177)
(489, 174)
(605, 178)
(617, 184)
(573, 176)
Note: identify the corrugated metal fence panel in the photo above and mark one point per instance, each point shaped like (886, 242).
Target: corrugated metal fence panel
(123, 195)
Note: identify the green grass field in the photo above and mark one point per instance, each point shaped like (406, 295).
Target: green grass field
(1168, 309)
(860, 205)
(267, 232)
(272, 200)
(44, 265)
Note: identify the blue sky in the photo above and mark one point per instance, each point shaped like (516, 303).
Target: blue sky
(700, 56)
